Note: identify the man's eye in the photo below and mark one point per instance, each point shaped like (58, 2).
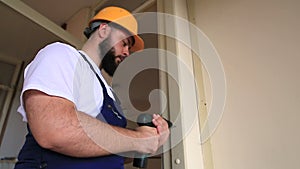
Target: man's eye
(124, 43)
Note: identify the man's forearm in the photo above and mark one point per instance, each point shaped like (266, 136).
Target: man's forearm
(56, 125)
(96, 138)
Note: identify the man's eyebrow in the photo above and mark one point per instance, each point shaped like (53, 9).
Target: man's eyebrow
(131, 42)
(128, 41)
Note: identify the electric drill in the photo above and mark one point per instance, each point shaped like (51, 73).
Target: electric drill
(141, 160)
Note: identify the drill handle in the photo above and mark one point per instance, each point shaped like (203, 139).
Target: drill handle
(146, 120)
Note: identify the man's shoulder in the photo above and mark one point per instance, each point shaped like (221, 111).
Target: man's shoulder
(60, 45)
(57, 50)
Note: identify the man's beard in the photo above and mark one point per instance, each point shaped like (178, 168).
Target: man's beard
(108, 62)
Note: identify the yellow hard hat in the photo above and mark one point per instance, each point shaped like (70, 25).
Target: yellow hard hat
(123, 18)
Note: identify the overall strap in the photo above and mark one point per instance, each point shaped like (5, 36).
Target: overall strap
(98, 77)
(112, 105)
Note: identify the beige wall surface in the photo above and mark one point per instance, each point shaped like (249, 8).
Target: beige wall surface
(258, 42)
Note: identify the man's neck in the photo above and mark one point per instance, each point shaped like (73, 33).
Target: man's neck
(107, 77)
(92, 51)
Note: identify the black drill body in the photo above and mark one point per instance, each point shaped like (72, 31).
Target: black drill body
(141, 160)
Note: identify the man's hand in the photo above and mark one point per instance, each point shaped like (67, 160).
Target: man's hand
(162, 128)
(148, 139)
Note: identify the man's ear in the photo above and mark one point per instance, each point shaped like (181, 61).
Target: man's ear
(104, 30)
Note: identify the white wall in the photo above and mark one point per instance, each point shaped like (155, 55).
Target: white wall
(15, 132)
(77, 23)
(258, 42)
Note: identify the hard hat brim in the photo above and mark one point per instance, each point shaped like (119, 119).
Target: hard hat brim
(138, 44)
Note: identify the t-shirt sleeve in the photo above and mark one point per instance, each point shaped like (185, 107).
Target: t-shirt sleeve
(52, 72)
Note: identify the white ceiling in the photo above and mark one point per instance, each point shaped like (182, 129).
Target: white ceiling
(57, 10)
(22, 38)
(64, 11)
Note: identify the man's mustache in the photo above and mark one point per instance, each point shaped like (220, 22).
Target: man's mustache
(120, 57)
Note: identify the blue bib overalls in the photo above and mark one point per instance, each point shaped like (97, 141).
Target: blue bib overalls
(33, 156)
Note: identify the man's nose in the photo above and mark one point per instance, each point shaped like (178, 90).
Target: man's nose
(126, 51)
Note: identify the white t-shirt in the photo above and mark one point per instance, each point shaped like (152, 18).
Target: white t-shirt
(59, 70)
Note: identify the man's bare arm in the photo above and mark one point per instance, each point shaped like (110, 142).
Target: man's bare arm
(56, 125)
